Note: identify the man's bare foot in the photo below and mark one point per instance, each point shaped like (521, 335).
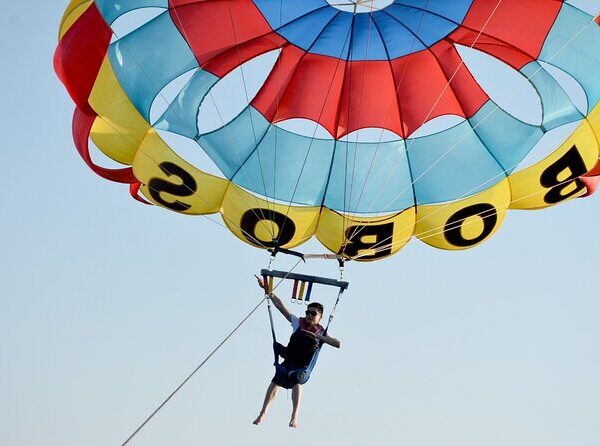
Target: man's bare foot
(259, 419)
(294, 422)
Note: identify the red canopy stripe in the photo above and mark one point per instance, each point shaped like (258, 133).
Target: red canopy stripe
(82, 125)
(80, 54)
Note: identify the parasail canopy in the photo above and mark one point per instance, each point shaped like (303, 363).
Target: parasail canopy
(363, 123)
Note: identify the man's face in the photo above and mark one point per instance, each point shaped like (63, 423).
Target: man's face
(313, 316)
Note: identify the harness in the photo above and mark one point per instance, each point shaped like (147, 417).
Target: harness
(303, 366)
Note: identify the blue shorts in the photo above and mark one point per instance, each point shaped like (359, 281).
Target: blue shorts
(287, 376)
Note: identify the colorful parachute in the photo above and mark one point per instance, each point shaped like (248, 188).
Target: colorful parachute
(360, 122)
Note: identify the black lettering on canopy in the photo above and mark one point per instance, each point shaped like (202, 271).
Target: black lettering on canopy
(252, 217)
(453, 228)
(187, 187)
(381, 241)
(560, 190)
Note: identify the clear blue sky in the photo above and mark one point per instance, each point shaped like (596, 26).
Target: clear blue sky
(106, 305)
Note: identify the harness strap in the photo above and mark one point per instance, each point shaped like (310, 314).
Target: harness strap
(308, 292)
(275, 349)
(315, 357)
(332, 314)
(268, 286)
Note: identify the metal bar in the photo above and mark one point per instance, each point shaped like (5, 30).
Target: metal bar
(306, 278)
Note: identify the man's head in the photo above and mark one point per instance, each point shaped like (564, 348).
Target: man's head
(314, 313)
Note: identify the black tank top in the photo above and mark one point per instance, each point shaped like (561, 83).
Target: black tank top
(302, 347)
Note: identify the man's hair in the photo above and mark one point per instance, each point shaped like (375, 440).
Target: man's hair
(317, 306)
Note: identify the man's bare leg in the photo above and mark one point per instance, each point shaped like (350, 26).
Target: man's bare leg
(296, 397)
(269, 397)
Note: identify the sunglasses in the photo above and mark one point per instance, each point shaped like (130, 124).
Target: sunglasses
(312, 313)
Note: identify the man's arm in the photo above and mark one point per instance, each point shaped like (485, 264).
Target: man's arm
(326, 339)
(280, 306)
(276, 301)
(330, 341)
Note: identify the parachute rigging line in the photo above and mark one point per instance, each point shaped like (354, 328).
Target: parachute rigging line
(465, 195)
(359, 210)
(347, 143)
(228, 133)
(381, 188)
(277, 99)
(204, 361)
(256, 143)
(378, 247)
(160, 93)
(414, 40)
(360, 227)
(310, 145)
(232, 222)
(492, 111)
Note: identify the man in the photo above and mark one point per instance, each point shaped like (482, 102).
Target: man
(305, 339)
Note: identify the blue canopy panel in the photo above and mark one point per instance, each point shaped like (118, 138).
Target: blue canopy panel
(320, 28)
(557, 107)
(283, 12)
(425, 26)
(288, 167)
(397, 44)
(454, 11)
(508, 139)
(182, 114)
(370, 178)
(334, 39)
(305, 30)
(150, 57)
(451, 165)
(364, 177)
(111, 10)
(572, 46)
(232, 145)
